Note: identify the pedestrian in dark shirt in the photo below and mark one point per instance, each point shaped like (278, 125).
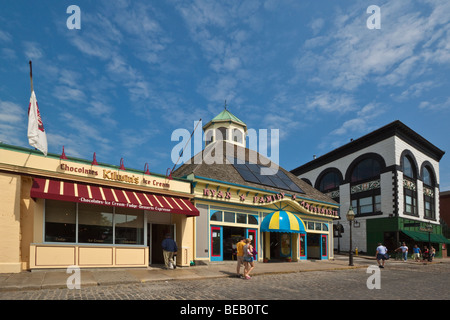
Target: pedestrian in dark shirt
(170, 249)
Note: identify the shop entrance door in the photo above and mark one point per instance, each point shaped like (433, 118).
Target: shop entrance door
(324, 247)
(280, 245)
(216, 243)
(156, 233)
(314, 246)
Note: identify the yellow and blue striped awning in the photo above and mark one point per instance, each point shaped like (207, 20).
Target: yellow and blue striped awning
(282, 221)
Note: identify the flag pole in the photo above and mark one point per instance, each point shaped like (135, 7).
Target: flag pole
(31, 76)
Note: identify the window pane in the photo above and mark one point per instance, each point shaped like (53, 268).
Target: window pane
(229, 217)
(365, 201)
(252, 219)
(241, 218)
(129, 226)
(216, 216)
(60, 220)
(366, 209)
(427, 177)
(311, 225)
(95, 224)
(407, 168)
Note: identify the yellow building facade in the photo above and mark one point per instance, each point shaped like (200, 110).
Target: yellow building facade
(57, 212)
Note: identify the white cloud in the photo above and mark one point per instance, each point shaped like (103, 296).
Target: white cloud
(13, 123)
(32, 50)
(354, 55)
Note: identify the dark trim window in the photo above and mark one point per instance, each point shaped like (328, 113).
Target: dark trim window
(329, 183)
(365, 187)
(367, 204)
(428, 194)
(409, 186)
(366, 170)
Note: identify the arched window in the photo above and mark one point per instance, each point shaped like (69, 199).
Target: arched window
(329, 182)
(209, 137)
(409, 184)
(428, 192)
(365, 170)
(365, 186)
(237, 135)
(221, 134)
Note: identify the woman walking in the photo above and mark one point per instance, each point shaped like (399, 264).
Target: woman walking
(248, 259)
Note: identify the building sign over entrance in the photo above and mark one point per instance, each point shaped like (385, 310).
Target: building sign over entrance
(115, 175)
(267, 199)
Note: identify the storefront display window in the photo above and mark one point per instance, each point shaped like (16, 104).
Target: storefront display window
(128, 226)
(60, 221)
(95, 224)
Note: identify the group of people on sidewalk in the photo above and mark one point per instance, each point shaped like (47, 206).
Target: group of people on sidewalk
(427, 254)
(245, 254)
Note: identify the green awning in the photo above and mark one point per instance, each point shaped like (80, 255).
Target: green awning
(423, 236)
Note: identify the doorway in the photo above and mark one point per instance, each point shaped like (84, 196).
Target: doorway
(280, 245)
(156, 233)
(314, 246)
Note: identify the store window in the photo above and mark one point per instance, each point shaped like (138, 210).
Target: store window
(409, 185)
(60, 221)
(95, 224)
(229, 217)
(233, 217)
(253, 219)
(129, 226)
(216, 215)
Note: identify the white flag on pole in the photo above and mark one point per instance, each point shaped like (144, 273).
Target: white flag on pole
(36, 133)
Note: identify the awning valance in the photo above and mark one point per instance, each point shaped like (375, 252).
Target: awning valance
(100, 195)
(282, 221)
(423, 236)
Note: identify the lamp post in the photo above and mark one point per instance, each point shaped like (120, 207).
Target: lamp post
(350, 218)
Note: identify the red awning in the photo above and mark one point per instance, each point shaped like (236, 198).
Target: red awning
(85, 193)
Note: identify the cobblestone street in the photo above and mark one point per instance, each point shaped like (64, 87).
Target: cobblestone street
(398, 282)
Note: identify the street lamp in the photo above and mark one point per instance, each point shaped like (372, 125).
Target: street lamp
(350, 218)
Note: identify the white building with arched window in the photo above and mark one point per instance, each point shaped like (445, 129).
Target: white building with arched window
(390, 178)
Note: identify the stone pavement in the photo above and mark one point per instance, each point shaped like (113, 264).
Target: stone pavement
(45, 279)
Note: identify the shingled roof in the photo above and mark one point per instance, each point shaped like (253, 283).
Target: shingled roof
(215, 162)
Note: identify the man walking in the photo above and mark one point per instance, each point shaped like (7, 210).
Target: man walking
(240, 256)
(170, 248)
(381, 255)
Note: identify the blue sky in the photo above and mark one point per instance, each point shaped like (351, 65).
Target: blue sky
(138, 70)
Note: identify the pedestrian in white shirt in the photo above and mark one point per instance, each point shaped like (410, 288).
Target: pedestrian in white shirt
(381, 255)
